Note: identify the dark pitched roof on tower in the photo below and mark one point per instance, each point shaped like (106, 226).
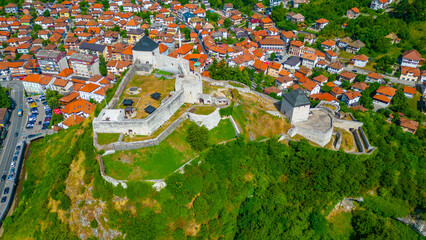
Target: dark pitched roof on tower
(297, 98)
(145, 44)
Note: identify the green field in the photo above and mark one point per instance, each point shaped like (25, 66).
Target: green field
(106, 138)
(157, 162)
(204, 110)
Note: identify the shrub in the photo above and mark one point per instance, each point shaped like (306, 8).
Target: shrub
(226, 111)
(94, 223)
(198, 137)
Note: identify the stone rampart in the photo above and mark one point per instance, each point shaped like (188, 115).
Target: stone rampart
(120, 146)
(114, 101)
(144, 126)
(345, 124)
(209, 121)
(364, 139)
(319, 137)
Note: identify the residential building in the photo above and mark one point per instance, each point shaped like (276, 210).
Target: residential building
(359, 86)
(51, 61)
(274, 69)
(409, 74)
(284, 82)
(360, 60)
(384, 95)
(272, 44)
(351, 98)
(335, 67)
(309, 60)
(380, 4)
(354, 46)
(79, 107)
(328, 45)
(347, 76)
(321, 23)
(292, 64)
(375, 77)
(84, 65)
(92, 91)
(352, 13)
(409, 92)
(93, 48)
(35, 83)
(294, 48)
(411, 58)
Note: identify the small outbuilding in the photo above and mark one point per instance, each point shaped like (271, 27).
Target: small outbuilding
(127, 102)
(156, 96)
(150, 109)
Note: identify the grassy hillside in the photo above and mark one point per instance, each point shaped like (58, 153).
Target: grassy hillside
(241, 190)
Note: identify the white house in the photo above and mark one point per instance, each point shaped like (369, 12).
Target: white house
(351, 98)
(411, 58)
(360, 60)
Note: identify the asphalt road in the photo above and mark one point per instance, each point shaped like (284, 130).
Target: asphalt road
(17, 124)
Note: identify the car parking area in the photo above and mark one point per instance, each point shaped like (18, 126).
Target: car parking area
(38, 115)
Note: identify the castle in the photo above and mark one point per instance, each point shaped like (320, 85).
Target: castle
(146, 57)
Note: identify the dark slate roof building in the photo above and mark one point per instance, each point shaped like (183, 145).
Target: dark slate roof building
(127, 102)
(293, 61)
(156, 96)
(150, 109)
(92, 47)
(296, 98)
(145, 44)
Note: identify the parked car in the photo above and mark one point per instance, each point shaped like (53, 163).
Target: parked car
(12, 170)
(15, 158)
(6, 191)
(30, 100)
(10, 177)
(12, 164)
(29, 126)
(3, 200)
(39, 123)
(18, 148)
(31, 136)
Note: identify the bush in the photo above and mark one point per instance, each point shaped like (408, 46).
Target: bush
(198, 137)
(94, 223)
(136, 190)
(226, 111)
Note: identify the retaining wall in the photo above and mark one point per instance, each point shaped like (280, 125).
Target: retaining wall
(209, 121)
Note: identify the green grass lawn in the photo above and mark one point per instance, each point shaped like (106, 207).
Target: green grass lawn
(157, 162)
(106, 138)
(224, 131)
(204, 110)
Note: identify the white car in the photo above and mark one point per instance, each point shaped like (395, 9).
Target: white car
(13, 164)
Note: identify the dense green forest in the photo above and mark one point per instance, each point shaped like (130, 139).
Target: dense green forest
(241, 190)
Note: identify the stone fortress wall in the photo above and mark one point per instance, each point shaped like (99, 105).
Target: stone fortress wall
(146, 126)
(187, 87)
(315, 135)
